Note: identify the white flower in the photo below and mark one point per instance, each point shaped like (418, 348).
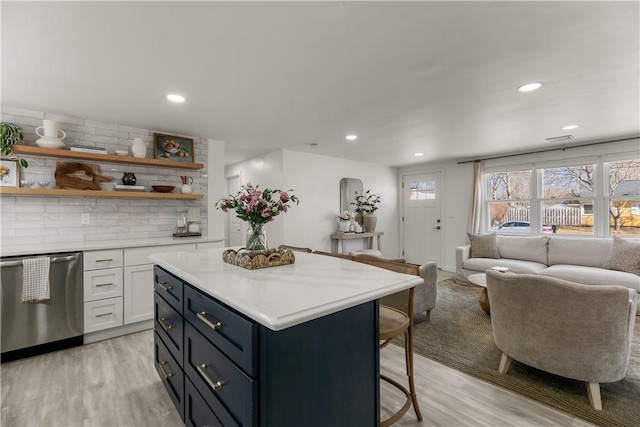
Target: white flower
(345, 216)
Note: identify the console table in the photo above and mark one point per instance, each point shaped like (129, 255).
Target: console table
(341, 237)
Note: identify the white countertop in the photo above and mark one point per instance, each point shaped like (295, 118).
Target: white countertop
(18, 250)
(284, 296)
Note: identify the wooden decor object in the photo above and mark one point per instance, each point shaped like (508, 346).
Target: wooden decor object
(78, 176)
(271, 258)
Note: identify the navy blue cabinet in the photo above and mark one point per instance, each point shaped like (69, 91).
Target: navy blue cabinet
(237, 372)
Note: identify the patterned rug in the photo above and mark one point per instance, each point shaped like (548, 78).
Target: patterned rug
(459, 335)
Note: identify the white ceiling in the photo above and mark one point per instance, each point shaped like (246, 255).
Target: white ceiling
(435, 77)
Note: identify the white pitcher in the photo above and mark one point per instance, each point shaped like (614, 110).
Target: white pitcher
(51, 129)
(139, 148)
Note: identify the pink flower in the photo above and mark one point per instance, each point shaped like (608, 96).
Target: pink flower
(242, 198)
(284, 196)
(266, 213)
(283, 207)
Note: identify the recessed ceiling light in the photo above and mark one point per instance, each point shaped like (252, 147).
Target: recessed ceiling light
(351, 137)
(175, 98)
(418, 154)
(569, 127)
(529, 87)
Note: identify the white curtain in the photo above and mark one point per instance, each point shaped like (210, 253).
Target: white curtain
(476, 204)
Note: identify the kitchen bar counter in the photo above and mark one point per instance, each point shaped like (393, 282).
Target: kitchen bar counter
(287, 346)
(284, 296)
(19, 250)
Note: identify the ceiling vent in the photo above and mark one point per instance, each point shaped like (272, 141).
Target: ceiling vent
(561, 138)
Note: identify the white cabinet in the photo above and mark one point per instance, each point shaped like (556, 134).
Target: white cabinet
(138, 280)
(138, 297)
(103, 287)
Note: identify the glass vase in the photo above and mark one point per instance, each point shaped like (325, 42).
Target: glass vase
(256, 239)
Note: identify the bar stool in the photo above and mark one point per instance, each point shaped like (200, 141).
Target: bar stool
(394, 322)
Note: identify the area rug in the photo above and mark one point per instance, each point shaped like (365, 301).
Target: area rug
(459, 335)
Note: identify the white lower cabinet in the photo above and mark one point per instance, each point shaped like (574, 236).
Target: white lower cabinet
(138, 293)
(102, 314)
(101, 284)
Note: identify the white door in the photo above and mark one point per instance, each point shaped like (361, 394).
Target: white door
(234, 225)
(421, 217)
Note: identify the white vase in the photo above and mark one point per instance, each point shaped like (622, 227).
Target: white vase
(139, 148)
(344, 225)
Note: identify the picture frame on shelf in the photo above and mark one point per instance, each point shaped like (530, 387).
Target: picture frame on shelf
(9, 173)
(174, 148)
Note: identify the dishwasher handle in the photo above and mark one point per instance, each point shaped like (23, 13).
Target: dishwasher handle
(73, 257)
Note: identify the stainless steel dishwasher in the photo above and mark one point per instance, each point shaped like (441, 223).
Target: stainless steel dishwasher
(29, 329)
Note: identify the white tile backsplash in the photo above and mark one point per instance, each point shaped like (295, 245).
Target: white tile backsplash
(28, 220)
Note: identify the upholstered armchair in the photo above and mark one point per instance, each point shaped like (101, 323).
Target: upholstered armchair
(424, 299)
(565, 328)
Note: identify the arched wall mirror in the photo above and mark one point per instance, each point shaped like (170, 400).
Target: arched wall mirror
(349, 189)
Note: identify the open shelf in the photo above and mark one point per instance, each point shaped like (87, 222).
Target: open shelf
(96, 193)
(28, 150)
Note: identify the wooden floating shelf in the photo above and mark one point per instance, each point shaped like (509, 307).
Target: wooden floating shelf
(96, 193)
(28, 150)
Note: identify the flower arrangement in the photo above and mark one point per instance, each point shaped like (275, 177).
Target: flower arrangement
(257, 206)
(345, 216)
(367, 202)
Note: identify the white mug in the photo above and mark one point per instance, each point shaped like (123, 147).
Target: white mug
(51, 129)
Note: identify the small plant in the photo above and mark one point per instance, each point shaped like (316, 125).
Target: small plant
(257, 206)
(367, 203)
(11, 134)
(345, 216)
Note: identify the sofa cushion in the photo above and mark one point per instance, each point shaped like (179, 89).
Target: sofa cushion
(527, 248)
(484, 245)
(624, 256)
(516, 266)
(592, 252)
(592, 276)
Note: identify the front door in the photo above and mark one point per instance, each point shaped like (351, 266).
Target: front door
(421, 217)
(234, 225)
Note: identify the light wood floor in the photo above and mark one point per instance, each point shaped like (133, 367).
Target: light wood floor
(114, 383)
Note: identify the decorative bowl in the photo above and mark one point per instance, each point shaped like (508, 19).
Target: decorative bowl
(163, 188)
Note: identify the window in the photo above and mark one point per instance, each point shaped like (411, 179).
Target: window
(567, 196)
(508, 199)
(623, 197)
(422, 190)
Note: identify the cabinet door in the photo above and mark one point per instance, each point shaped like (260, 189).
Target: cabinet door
(138, 293)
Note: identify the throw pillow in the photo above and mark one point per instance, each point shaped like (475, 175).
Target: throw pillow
(624, 256)
(484, 245)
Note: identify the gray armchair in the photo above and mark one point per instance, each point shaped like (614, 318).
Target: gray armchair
(568, 329)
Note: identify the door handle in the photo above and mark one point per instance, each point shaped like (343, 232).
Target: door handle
(436, 228)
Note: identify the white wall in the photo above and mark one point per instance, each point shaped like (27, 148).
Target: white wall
(316, 181)
(217, 188)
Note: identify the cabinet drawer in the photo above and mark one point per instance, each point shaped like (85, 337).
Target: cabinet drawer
(196, 411)
(102, 314)
(138, 256)
(229, 331)
(169, 287)
(101, 284)
(170, 373)
(93, 260)
(227, 390)
(169, 325)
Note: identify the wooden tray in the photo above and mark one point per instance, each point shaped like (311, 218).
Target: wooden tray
(271, 258)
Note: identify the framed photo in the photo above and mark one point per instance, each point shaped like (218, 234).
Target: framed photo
(9, 173)
(176, 148)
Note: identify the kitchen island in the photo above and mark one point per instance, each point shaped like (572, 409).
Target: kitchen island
(284, 346)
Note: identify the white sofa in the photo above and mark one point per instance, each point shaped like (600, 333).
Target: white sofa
(580, 260)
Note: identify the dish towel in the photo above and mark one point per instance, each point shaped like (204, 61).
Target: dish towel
(35, 280)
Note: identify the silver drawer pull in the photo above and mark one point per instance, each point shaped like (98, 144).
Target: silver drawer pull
(167, 376)
(164, 286)
(104, 314)
(215, 326)
(165, 327)
(105, 260)
(104, 284)
(214, 385)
